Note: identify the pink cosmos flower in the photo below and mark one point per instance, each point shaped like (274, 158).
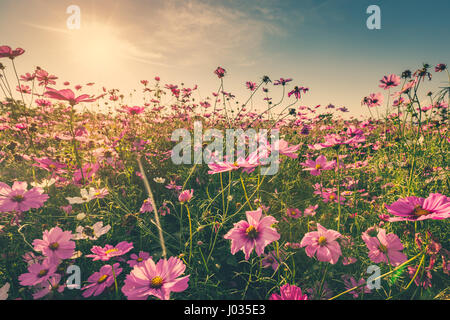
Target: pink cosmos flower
(133, 110)
(385, 248)
(7, 52)
(390, 81)
(49, 165)
(68, 95)
(146, 206)
(289, 292)
(51, 285)
(101, 280)
(282, 81)
(374, 99)
(138, 259)
(220, 72)
(186, 196)
(55, 244)
(293, 213)
(316, 167)
(310, 211)
(250, 85)
(440, 67)
(285, 149)
(109, 251)
(272, 259)
(255, 233)
(38, 273)
(159, 280)
(89, 170)
(435, 206)
(297, 92)
(23, 89)
(17, 198)
(350, 282)
(322, 243)
(45, 78)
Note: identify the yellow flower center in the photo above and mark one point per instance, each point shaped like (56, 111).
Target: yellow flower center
(111, 251)
(102, 278)
(139, 259)
(322, 241)
(318, 166)
(156, 282)
(251, 232)
(419, 211)
(332, 197)
(18, 198)
(52, 166)
(42, 273)
(54, 246)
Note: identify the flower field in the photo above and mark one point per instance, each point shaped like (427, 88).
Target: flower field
(92, 205)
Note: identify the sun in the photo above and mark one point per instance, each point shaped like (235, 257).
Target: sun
(96, 46)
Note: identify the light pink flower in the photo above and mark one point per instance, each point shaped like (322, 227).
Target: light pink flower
(316, 167)
(18, 198)
(55, 244)
(38, 273)
(385, 248)
(186, 196)
(322, 244)
(138, 259)
(159, 280)
(146, 206)
(255, 233)
(109, 251)
(51, 285)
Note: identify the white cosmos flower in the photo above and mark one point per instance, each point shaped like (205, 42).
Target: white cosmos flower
(159, 180)
(87, 196)
(91, 233)
(44, 183)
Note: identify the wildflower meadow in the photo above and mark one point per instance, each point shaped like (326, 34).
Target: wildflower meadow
(174, 193)
(93, 207)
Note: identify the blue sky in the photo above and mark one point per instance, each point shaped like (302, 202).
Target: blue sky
(323, 45)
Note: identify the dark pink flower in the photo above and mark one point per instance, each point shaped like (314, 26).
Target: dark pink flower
(435, 206)
(220, 72)
(255, 233)
(101, 280)
(289, 292)
(440, 67)
(7, 52)
(390, 81)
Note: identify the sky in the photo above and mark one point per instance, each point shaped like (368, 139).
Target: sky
(324, 45)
